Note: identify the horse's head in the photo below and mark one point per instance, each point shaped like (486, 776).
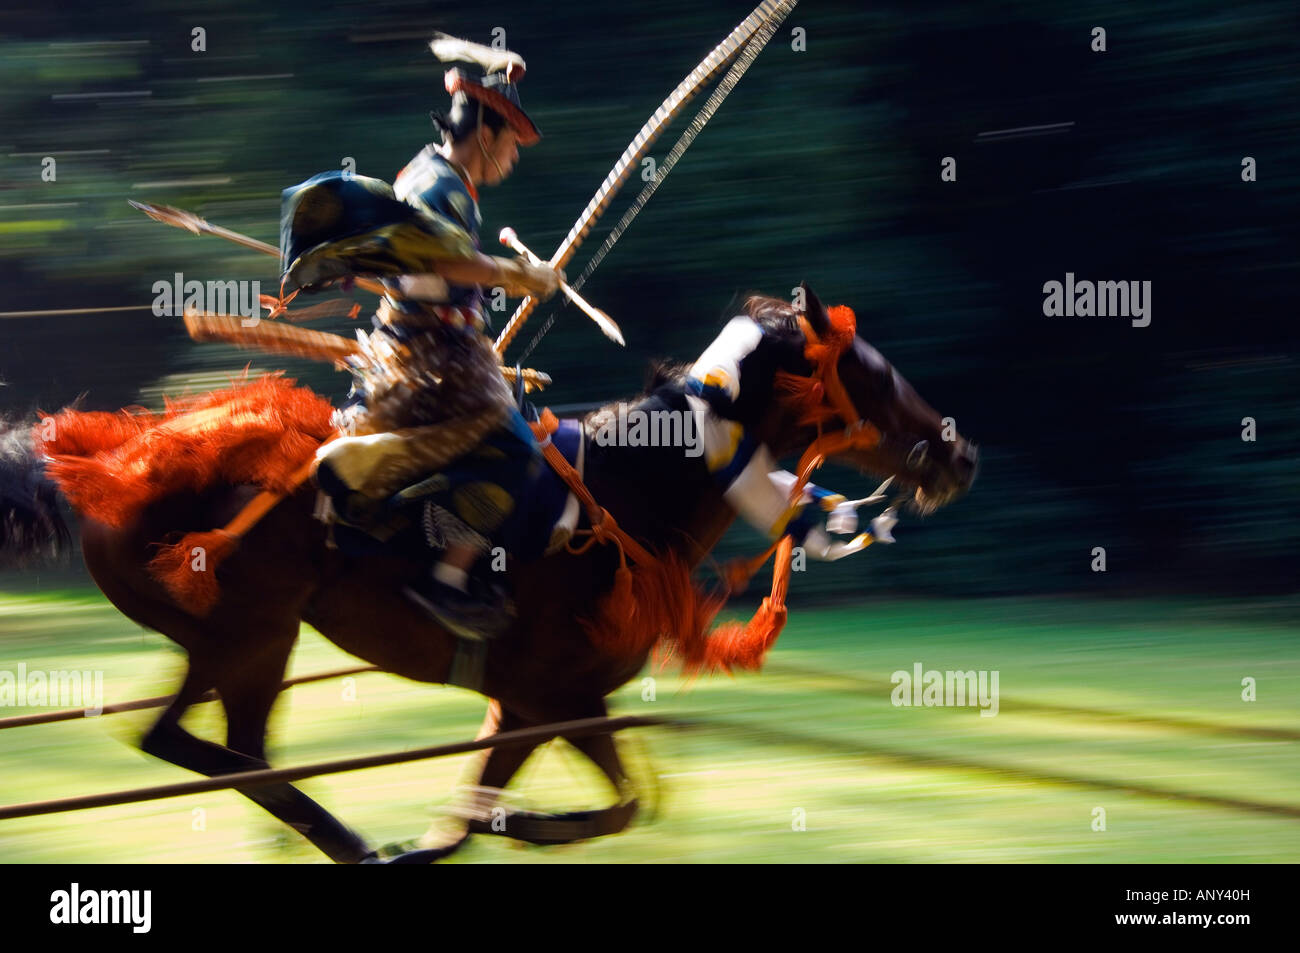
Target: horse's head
(838, 394)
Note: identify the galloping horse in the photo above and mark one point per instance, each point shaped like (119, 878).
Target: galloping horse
(547, 668)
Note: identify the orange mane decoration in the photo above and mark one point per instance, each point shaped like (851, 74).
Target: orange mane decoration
(815, 397)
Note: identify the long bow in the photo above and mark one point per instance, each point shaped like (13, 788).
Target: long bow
(722, 54)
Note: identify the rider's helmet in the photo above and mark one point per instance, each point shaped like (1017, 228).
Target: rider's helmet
(491, 98)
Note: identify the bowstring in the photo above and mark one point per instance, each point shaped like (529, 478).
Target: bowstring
(747, 56)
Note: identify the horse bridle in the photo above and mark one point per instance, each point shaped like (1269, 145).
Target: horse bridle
(828, 391)
(824, 353)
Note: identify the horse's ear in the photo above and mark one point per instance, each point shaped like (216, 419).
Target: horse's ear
(814, 311)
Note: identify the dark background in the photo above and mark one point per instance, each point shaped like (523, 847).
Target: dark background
(822, 165)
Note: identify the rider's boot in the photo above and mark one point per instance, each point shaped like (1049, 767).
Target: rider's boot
(476, 611)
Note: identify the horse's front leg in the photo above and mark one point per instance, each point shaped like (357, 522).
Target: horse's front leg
(602, 750)
(539, 828)
(478, 805)
(247, 697)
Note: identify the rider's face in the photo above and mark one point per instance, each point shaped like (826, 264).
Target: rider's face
(503, 146)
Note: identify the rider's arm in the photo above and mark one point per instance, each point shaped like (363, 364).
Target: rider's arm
(334, 227)
(429, 184)
(517, 276)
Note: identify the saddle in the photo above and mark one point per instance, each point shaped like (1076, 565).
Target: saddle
(410, 522)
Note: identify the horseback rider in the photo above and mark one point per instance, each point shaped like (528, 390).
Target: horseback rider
(429, 396)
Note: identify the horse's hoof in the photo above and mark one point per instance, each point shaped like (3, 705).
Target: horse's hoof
(407, 852)
(417, 857)
(554, 829)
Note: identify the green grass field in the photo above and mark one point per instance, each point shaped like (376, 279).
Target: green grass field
(1132, 707)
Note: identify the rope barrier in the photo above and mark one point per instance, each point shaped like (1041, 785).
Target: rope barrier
(251, 779)
(160, 701)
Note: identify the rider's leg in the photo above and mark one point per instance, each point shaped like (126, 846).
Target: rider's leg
(454, 567)
(482, 493)
(449, 594)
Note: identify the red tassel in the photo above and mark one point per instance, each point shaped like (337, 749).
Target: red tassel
(621, 604)
(735, 646)
(644, 605)
(188, 569)
(658, 606)
(83, 434)
(844, 324)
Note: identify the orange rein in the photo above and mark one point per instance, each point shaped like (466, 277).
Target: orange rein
(823, 397)
(604, 528)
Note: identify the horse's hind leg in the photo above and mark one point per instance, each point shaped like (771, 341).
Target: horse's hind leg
(248, 691)
(248, 702)
(241, 651)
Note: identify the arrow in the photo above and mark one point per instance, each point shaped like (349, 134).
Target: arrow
(510, 239)
(198, 225)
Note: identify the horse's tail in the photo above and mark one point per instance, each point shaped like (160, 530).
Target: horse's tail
(31, 526)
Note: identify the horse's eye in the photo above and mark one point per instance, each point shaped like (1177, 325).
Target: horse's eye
(918, 455)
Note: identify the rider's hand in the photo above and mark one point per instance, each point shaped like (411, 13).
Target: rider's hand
(543, 280)
(521, 277)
